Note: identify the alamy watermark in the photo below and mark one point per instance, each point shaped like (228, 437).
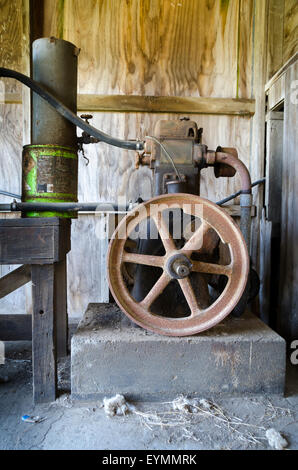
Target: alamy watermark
(294, 92)
(2, 353)
(294, 354)
(167, 220)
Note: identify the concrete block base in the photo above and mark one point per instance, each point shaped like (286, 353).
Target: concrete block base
(110, 355)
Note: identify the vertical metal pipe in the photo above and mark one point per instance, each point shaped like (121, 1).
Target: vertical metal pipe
(54, 65)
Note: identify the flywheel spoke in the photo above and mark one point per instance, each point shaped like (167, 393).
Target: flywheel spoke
(156, 290)
(189, 294)
(211, 268)
(148, 260)
(164, 232)
(196, 240)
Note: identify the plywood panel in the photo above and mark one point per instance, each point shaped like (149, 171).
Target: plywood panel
(290, 45)
(245, 47)
(275, 36)
(11, 29)
(169, 47)
(14, 32)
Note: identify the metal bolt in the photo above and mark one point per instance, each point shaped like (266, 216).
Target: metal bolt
(181, 269)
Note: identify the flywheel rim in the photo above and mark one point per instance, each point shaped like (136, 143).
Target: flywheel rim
(202, 319)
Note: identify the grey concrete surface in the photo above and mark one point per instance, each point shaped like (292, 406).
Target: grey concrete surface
(109, 354)
(70, 425)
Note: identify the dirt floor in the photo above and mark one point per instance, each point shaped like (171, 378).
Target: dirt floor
(230, 423)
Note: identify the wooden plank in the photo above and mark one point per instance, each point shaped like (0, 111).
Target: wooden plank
(27, 245)
(276, 93)
(14, 37)
(15, 327)
(281, 71)
(245, 48)
(44, 352)
(186, 48)
(26, 56)
(87, 277)
(31, 241)
(274, 159)
(14, 280)
(12, 98)
(290, 43)
(11, 41)
(166, 104)
(258, 121)
(234, 210)
(275, 37)
(157, 104)
(265, 268)
(60, 305)
(287, 321)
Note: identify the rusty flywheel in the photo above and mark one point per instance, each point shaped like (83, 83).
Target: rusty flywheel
(182, 264)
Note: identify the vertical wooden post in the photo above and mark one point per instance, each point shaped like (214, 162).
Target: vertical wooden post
(258, 122)
(44, 352)
(49, 327)
(60, 307)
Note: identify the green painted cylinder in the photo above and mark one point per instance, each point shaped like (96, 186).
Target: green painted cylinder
(50, 174)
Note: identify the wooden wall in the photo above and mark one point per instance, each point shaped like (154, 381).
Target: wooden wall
(282, 36)
(14, 53)
(199, 49)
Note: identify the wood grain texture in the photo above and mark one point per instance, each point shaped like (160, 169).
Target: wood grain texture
(44, 352)
(276, 93)
(11, 30)
(152, 47)
(290, 44)
(166, 104)
(245, 49)
(14, 41)
(257, 159)
(15, 279)
(275, 36)
(288, 302)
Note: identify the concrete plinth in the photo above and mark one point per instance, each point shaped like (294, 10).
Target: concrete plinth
(110, 355)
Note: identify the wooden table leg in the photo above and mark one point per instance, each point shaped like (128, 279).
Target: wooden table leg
(49, 327)
(44, 353)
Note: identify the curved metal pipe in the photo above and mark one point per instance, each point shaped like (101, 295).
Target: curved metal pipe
(238, 165)
(68, 114)
(245, 195)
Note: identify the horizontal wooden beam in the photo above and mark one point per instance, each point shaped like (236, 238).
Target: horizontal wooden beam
(157, 104)
(165, 104)
(234, 210)
(12, 98)
(15, 327)
(15, 279)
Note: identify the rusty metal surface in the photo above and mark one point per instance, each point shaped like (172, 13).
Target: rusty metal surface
(202, 316)
(238, 166)
(49, 172)
(223, 170)
(54, 66)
